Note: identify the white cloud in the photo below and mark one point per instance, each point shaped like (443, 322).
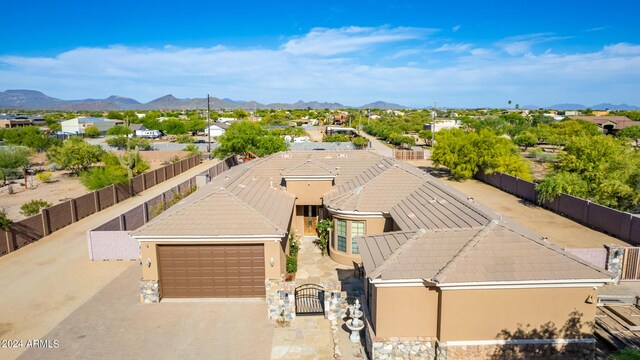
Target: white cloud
(522, 44)
(327, 42)
(477, 77)
(455, 28)
(456, 48)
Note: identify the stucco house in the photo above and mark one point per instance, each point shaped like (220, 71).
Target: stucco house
(444, 275)
(216, 129)
(79, 125)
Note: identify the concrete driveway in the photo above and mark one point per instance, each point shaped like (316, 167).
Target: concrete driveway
(115, 325)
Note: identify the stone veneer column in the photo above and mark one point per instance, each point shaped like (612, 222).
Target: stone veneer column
(280, 299)
(333, 300)
(615, 254)
(149, 291)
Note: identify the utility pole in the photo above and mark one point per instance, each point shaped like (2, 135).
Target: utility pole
(433, 128)
(208, 127)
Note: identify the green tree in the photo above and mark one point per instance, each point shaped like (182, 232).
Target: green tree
(240, 114)
(29, 136)
(608, 167)
(425, 135)
(75, 154)
(120, 142)
(119, 130)
(117, 115)
(13, 158)
(174, 127)
(92, 131)
(243, 137)
(184, 139)
(525, 140)
(631, 133)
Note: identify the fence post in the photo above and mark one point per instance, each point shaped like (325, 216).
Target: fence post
(155, 177)
(164, 168)
(144, 182)
(96, 200)
(8, 237)
(46, 229)
(115, 194)
(123, 225)
(74, 213)
(145, 212)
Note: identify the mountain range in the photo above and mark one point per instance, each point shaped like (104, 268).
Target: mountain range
(602, 106)
(35, 100)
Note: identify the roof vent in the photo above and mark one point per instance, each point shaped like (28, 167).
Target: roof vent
(433, 200)
(242, 186)
(411, 215)
(442, 202)
(357, 190)
(286, 155)
(342, 155)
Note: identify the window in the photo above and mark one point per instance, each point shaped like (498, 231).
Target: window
(357, 229)
(341, 233)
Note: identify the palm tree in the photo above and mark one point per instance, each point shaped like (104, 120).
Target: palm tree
(509, 102)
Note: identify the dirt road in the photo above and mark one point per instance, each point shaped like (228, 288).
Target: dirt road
(41, 284)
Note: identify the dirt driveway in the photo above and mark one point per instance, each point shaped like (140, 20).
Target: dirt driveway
(115, 325)
(558, 229)
(44, 282)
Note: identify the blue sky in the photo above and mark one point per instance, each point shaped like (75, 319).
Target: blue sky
(458, 53)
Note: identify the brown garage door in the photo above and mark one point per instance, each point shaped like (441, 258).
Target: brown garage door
(203, 271)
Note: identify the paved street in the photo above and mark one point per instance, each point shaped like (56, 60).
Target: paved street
(46, 281)
(114, 324)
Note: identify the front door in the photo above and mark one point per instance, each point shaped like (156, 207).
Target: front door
(310, 219)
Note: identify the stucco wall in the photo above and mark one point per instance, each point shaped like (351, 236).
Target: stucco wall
(484, 314)
(405, 311)
(373, 225)
(309, 192)
(271, 249)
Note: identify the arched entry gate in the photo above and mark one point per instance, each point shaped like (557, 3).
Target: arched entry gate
(309, 299)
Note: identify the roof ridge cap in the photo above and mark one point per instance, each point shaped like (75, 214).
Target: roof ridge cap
(441, 275)
(399, 251)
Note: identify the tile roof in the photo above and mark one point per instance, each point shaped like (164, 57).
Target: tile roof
(496, 252)
(378, 188)
(234, 203)
(310, 167)
(620, 121)
(435, 206)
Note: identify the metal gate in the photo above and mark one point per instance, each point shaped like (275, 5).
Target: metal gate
(309, 299)
(631, 264)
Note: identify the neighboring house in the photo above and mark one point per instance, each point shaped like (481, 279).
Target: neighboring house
(608, 124)
(442, 272)
(79, 125)
(216, 129)
(600, 112)
(140, 130)
(226, 120)
(568, 112)
(8, 122)
(254, 118)
(554, 116)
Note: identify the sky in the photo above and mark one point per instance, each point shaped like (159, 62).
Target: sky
(415, 53)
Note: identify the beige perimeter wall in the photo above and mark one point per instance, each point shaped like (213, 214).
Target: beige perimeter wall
(405, 311)
(485, 314)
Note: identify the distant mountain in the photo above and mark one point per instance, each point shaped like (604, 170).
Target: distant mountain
(567, 107)
(383, 105)
(530, 107)
(28, 99)
(608, 106)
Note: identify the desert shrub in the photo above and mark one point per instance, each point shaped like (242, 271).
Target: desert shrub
(292, 264)
(5, 222)
(92, 131)
(192, 149)
(99, 177)
(184, 139)
(33, 207)
(119, 130)
(44, 176)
